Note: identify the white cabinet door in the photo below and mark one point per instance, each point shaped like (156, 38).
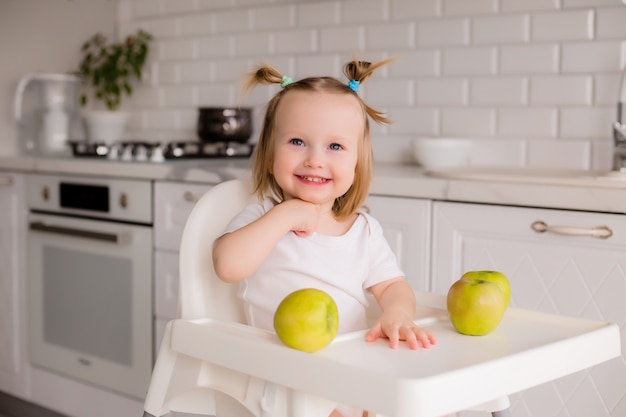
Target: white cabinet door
(573, 275)
(406, 224)
(173, 202)
(13, 361)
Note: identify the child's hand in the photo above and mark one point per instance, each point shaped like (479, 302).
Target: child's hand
(397, 300)
(395, 327)
(302, 215)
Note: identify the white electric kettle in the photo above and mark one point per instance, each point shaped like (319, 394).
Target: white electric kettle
(45, 127)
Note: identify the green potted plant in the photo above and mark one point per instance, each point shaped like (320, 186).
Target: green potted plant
(108, 71)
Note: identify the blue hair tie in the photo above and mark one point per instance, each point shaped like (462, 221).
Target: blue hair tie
(286, 81)
(354, 85)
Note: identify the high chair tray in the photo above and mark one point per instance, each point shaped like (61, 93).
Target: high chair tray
(527, 349)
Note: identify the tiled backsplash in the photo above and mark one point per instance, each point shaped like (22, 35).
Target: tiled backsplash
(533, 81)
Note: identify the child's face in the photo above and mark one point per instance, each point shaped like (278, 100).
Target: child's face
(317, 141)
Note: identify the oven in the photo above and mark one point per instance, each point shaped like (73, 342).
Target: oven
(89, 269)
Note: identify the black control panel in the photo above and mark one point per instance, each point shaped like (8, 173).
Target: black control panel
(84, 197)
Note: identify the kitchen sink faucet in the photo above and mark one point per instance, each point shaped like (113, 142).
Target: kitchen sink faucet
(619, 127)
(619, 130)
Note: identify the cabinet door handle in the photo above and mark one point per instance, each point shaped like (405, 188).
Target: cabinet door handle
(6, 180)
(600, 232)
(190, 197)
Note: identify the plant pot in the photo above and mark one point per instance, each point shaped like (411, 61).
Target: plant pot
(105, 126)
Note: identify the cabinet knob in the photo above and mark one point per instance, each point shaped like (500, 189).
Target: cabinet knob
(600, 232)
(190, 197)
(6, 180)
(45, 194)
(123, 200)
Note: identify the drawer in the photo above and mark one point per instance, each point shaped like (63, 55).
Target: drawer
(173, 203)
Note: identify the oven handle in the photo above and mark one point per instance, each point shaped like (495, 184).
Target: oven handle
(119, 238)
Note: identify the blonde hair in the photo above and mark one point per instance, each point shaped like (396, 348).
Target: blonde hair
(264, 183)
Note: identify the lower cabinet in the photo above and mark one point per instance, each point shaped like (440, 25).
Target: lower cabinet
(406, 225)
(173, 202)
(562, 270)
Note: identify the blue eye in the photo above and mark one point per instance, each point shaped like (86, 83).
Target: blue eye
(336, 147)
(297, 142)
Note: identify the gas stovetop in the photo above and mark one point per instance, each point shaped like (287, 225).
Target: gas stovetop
(158, 152)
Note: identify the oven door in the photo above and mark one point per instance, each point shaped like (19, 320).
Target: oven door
(90, 290)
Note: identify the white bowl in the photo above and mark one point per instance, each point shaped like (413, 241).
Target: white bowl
(441, 152)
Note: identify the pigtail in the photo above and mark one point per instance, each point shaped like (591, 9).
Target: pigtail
(264, 74)
(360, 71)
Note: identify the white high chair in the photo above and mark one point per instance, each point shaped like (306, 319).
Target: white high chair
(210, 363)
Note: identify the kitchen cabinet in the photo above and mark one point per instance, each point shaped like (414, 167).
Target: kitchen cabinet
(173, 202)
(12, 317)
(406, 225)
(13, 361)
(573, 275)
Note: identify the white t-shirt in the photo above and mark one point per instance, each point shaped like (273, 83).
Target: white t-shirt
(343, 266)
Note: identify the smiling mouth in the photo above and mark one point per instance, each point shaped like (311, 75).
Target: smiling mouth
(318, 180)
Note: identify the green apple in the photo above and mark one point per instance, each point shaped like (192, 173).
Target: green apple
(476, 306)
(307, 320)
(496, 277)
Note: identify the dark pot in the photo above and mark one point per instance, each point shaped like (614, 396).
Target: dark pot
(224, 124)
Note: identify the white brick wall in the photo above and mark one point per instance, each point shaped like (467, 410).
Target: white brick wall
(534, 82)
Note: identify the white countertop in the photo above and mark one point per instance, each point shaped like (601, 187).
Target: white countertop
(192, 170)
(540, 189)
